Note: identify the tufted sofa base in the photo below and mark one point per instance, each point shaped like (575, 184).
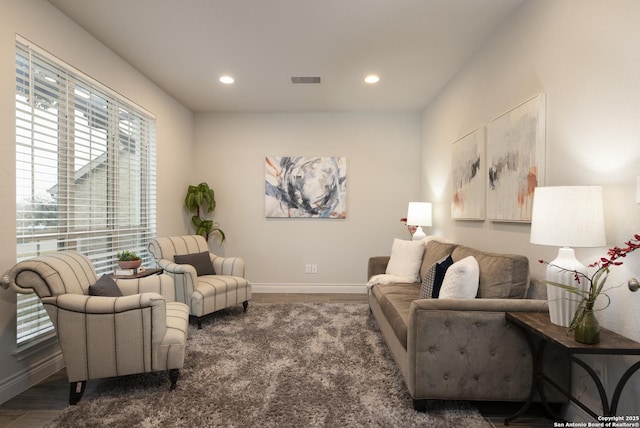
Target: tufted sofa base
(449, 349)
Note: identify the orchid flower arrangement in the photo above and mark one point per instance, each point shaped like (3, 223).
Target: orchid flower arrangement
(411, 229)
(595, 282)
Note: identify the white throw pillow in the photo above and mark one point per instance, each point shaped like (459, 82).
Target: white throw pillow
(406, 258)
(461, 280)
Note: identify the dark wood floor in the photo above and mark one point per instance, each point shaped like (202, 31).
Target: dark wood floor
(42, 403)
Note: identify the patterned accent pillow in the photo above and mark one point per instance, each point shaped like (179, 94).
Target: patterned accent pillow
(433, 278)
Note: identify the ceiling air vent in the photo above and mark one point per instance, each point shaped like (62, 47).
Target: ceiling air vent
(306, 80)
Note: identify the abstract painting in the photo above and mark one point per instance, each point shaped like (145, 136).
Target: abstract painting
(467, 201)
(305, 187)
(515, 160)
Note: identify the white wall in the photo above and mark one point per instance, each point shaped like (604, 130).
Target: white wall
(585, 56)
(43, 25)
(382, 177)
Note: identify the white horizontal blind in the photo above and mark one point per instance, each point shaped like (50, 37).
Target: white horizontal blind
(85, 172)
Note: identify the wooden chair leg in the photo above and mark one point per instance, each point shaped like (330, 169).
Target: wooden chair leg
(173, 375)
(245, 304)
(76, 389)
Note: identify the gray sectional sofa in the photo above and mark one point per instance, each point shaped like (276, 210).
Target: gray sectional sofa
(450, 349)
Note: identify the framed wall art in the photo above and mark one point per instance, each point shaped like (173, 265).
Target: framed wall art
(468, 164)
(305, 187)
(515, 160)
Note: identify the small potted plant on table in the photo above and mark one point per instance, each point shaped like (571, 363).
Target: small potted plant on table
(128, 260)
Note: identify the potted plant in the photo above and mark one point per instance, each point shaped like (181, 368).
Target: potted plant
(200, 199)
(584, 324)
(128, 260)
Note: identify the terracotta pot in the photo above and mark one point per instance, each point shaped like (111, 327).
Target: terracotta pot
(132, 264)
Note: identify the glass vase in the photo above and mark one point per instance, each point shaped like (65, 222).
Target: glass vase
(587, 329)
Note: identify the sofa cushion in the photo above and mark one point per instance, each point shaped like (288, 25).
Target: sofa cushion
(435, 250)
(406, 257)
(395, 301)
(501, 275)
(461, 280)
(432, 280)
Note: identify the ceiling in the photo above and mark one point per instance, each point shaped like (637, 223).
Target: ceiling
(184, 46)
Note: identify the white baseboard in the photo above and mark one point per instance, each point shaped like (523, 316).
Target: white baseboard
(313, 288)
(25, 379)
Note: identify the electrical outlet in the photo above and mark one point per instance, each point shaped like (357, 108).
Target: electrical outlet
(314, 268)
(307, 268)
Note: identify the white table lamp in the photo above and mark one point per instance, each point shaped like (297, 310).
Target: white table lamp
(419, 214)
(566, 216)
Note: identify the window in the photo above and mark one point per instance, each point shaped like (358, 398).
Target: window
(85, 172)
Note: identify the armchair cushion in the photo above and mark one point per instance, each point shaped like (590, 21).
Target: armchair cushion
(432, 280)
(106, 286)
(200, 261)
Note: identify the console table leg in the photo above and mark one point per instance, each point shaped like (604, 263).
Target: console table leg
(601, 391)
(621, 383)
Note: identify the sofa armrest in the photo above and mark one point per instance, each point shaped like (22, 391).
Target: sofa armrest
(481, 305)
(377, 265)
(467, 345)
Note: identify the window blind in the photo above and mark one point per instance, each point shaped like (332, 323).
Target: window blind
(85, 172)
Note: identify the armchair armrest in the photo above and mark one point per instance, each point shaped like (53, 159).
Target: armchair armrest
(160, 284)
(108, 336)
(232, 266)
(377, 265)
(185, 279)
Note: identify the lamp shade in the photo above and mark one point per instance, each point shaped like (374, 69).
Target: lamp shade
(568, 216)
(419, 214)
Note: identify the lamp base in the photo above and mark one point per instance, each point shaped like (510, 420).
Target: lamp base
(418, 234)
(562, 303)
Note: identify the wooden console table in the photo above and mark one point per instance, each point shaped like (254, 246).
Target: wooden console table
(539, 325)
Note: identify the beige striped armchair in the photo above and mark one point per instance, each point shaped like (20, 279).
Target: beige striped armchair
(143, 330)
(205, 289)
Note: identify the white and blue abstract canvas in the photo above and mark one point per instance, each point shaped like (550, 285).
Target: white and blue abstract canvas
(299, 187)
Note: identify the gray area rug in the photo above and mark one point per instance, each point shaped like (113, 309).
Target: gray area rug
(277, 365)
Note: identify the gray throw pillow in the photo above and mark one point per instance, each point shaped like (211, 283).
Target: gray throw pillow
(200, 261)
(433, 277)
(105, 287)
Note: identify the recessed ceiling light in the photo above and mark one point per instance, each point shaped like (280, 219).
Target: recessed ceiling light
(227, 80)
(372, 78)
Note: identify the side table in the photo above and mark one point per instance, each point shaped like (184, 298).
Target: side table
(146, 272)
(539, 325)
